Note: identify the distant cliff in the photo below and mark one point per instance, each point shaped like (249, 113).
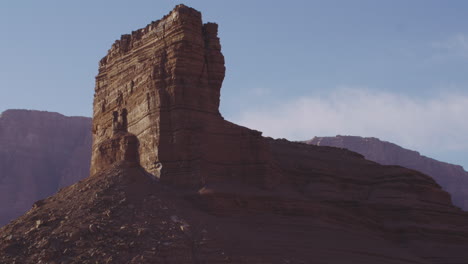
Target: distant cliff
(40, 152)
(452, 178)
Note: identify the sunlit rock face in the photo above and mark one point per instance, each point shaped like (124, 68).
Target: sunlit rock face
(452, 178)
(40, 152)
(225, 194)
(167, 77)
(162, 83)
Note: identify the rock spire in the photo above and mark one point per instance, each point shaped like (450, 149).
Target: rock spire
(162, 83)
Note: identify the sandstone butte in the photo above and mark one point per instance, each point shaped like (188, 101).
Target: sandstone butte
(41, 152)
(452, 178)
(173, 182)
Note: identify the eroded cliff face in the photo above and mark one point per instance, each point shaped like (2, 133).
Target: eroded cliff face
(452, 178)
(40, 152)
(245, 198)
(167, 78)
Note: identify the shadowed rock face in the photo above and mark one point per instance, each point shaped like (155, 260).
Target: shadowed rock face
(40, 152)
(452, 178)
(225, 194)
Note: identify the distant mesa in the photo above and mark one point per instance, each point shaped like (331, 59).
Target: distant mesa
(452, 178)
(40, 152)
(174, 182)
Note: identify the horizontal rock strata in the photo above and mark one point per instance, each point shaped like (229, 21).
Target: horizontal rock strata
(452, 178)
(167, 78)
(209, 191)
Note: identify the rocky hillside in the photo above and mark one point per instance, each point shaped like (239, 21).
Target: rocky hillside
(452, 178)
(40, 152)
(173, 182)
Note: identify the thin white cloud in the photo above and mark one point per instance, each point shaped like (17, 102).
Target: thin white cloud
(456, 45)
(260, 91)
(422, 124)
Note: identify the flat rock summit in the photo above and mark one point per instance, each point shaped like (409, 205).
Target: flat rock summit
(173, 182)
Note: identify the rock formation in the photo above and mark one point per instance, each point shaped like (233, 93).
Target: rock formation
(209, 191)
(167, 78)
(452, 178)
(40, 152)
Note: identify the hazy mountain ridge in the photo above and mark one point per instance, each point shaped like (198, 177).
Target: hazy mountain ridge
(453, 178)
(40, 152)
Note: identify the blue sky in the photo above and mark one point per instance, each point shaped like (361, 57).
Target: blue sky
(395, 69)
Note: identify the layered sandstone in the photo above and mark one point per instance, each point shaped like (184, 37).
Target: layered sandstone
(452, 178)
(209, 191)
(167, 78)
(40, 152)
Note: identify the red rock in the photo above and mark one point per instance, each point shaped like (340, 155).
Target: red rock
(452, 178)
(225, 194)
(40, 152)
(168, 77)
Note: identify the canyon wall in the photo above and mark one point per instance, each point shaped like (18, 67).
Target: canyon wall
(40, 152)
(452, 178)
